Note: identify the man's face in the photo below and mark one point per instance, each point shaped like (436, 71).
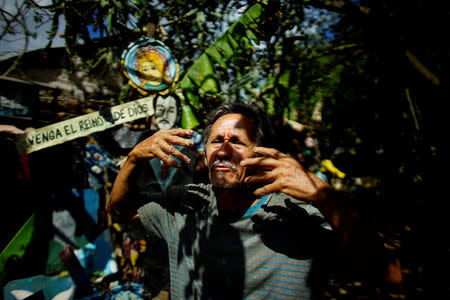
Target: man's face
(232, 139)
(166, 112)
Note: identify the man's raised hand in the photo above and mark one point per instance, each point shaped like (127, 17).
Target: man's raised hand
(161, 145)
(282, 173)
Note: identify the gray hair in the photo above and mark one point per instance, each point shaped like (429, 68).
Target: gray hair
(249, 109)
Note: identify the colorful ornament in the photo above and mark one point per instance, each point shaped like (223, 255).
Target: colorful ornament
(150, 66)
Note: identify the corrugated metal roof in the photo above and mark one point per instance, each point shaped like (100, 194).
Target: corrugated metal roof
(12, 54)
(30, 82)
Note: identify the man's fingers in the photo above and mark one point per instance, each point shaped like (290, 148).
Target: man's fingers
(160, 145)
(269, 152)
(171, 150)
(259, 162)
(163, 156)
(177, 140)
(180, 132)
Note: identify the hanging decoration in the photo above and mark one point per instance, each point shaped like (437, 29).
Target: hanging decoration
(61, 132)
(150, 66)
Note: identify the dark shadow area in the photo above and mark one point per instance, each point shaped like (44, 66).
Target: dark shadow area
(220, 269)
(292, 231)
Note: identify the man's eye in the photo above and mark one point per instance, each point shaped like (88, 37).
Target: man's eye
(237, 141)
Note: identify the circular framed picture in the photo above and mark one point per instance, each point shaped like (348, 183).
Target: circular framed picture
(149, 65)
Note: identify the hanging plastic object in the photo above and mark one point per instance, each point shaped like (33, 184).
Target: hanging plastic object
(327, 164)
(188, 120)
(150, 66)
(40, 287)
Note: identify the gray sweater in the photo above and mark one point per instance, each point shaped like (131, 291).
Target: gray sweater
(267, 253)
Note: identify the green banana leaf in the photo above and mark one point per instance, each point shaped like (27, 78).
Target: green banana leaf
(17, 248)
(233, 46)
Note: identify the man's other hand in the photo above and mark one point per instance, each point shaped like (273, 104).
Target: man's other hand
(281, 173)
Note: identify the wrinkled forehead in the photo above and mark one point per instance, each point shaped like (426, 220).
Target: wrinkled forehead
(231, 125)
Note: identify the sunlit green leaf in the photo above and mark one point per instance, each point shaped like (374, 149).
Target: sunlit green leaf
(230, 47)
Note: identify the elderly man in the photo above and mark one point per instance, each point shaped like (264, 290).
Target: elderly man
(257, 228)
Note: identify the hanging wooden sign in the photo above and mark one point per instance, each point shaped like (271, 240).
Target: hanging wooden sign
(81, 126)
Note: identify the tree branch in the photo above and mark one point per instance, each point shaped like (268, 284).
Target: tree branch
(13, 18)
(338, 6)
(334, 49)
(421, 68)
(24, 50)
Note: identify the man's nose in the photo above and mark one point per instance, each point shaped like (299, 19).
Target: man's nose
(225, 149)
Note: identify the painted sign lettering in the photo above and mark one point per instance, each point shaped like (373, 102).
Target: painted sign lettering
(71, 129)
